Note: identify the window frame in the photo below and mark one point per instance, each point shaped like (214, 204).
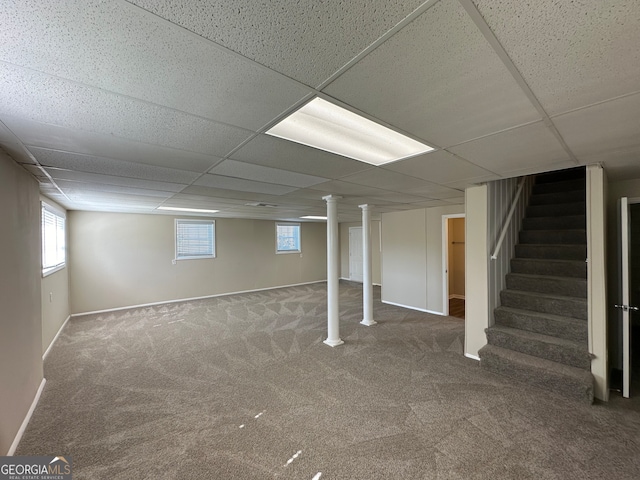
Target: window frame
(60, 222)
(210, 222)
(289, 224)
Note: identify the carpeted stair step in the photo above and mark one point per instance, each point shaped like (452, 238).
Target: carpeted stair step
(545, 266)
(545, 303)
(545, 323)
(541, 346)
(569, 222)
(554, 236)
(557, 210)
(557, 251)
(570, 382)
(555, 187)
(558, 197)
(564, 286)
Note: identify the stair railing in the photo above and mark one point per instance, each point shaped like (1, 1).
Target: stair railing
(507, 221)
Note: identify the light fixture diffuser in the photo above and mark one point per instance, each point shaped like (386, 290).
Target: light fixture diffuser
(314, 217)
(323, 125)
(180, 209)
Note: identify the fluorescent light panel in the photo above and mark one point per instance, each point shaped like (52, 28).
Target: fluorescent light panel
(314, 217)
(195, 210)
(323, 125)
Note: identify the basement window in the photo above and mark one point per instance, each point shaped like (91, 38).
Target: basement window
(288, 238)
(53, 239)
(195, 239)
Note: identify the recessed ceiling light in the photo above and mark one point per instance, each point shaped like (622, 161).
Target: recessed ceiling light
(195, 210)
(314, 217)
(323, 125)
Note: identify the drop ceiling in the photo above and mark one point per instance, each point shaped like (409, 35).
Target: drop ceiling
(125, 106)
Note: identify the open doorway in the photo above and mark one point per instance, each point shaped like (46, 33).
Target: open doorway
(454, 265)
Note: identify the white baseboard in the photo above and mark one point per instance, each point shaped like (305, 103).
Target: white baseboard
(25, 422)
(360, 281)
(412, 308)
(472, 357)
(163, 302)
(46, 352)
(455, 295)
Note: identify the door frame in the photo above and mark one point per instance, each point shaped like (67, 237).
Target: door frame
(445, 258)
(624, 294)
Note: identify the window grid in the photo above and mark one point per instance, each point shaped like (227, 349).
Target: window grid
(195, 239)
(53, 239)
(288, 238)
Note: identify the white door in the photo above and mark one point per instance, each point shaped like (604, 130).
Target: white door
(355, 254)
(624, 295)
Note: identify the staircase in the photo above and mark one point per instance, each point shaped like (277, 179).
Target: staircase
(540, 331)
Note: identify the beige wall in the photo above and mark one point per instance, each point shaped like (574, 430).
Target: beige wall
(120, 260)
(55, 295)
(456, 256)
(375, 250)
(404, 259)
(412, 258)
(477, 317)
(20, 278)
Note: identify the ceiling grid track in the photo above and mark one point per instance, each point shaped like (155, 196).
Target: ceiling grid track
(488, 34)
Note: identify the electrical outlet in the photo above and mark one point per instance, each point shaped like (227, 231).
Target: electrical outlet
(173, 261)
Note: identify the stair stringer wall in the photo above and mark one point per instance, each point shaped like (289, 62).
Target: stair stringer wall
(596, 183)
(500, 198)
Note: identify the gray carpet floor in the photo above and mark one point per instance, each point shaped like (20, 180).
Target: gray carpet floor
(242, 387)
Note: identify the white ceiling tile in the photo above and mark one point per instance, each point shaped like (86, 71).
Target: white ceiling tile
(127, 110)
(430, 203)
(386, 179)
(47, 99)
(532, 146)
(184, 199)
(435, 191)
(94, 178)
(78, 188)
(571, 54)
(35, 134)
(621, 165)
(306, 40)
(441, 167)
(199, 190)
(12, 145)
(109, 200)
(250, 171)
(109, 166)
(338, 187)
(607, 127)
(437, 79)
(35, 171)
(277, 153)
(228, 183)
(398, 198)
(87, 41)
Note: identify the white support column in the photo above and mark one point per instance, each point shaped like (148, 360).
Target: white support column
(367, 276)
(333, 272)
